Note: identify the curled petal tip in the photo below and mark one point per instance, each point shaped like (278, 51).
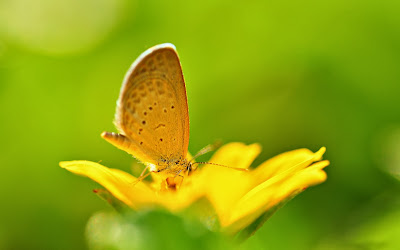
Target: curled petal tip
(320, 153)
(63, 164)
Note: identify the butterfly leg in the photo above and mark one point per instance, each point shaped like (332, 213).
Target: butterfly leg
(144, 171)
(140, 179)
(178, 174)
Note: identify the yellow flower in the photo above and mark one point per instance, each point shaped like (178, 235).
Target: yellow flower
(238, 198)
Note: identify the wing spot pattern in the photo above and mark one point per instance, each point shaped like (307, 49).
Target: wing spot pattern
(149, 97)
(127, 117)
(129, 105)
(159, 126)
(160, 88)
(150, 86)
(132, 110)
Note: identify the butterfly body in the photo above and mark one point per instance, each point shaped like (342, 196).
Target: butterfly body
(152, 112)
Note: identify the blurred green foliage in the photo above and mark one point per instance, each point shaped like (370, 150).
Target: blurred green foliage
(286, 74)
(151, 230)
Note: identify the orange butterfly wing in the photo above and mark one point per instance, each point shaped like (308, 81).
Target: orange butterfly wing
(152, 112)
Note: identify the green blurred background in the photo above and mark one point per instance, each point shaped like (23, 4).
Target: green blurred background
(286, 74)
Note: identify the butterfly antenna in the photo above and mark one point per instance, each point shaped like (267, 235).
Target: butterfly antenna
(211, 163)
(206, 149)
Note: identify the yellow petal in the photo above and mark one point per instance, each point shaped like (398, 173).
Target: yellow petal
(276, 189)
(235, 154)
(223, 186)
(304, 178)
(300, 158)
(183, 198)
(118, 183)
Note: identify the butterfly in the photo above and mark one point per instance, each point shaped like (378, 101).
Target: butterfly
(152, 113)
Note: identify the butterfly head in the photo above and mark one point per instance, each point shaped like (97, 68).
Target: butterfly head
(173, 168)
